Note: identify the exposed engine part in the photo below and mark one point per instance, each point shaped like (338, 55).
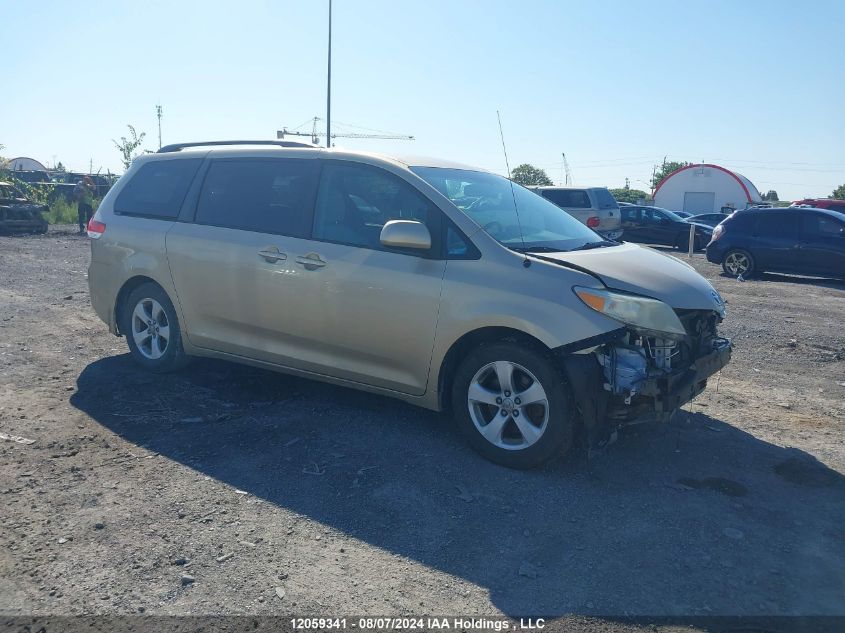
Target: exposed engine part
(625, 368)
(661, 351)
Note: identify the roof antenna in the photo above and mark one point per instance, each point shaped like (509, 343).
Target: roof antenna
(525, 262)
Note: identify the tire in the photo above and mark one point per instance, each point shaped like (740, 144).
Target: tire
(738, 262)
(162, 352)
(528, 434)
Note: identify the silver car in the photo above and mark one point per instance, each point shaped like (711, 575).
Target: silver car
(440, 284)
(592, 206)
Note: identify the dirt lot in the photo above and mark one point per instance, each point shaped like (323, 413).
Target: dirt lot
(204, 492)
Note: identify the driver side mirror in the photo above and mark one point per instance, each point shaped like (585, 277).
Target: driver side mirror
(405, 234)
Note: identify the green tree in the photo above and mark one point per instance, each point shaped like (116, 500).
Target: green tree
(661, 171)
(839, 193)
(128, 146)
(626, 194)
(771, 196)
(526, 175)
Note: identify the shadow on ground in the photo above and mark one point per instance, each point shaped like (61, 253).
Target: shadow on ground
(691, 518)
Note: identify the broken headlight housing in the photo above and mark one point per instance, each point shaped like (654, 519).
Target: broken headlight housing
(641, 313)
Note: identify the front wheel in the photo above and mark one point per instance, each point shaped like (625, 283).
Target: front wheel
(152, 329)
(738, 263)
(513, 405)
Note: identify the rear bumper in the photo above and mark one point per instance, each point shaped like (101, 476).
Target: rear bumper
(102, 294)
(714, 255)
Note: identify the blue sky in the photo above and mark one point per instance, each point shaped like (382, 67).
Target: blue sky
(757, 86)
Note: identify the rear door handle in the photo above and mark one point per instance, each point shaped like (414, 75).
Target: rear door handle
(272, 254)
(311, 261)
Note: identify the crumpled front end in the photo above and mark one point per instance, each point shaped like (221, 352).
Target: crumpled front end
(648, 377)
(641, 376)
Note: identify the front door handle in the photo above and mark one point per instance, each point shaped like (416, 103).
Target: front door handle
(311, 261)
(272, 254)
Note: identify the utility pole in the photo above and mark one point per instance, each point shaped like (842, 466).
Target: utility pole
(158, 114)
(329, 85)
(627, 183)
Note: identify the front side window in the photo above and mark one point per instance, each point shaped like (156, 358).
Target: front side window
(266, 196)
(534, 223)
(158, 188)
(355, 201)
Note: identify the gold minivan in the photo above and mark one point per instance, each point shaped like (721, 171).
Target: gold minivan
(446, 286)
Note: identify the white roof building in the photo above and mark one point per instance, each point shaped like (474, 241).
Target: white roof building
(705, 189)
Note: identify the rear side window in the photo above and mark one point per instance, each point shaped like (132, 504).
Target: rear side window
(158, 189)
(569, 198)
(605, 199)
(771, 224)
(818, 225)
(629, 214)
(266, 196)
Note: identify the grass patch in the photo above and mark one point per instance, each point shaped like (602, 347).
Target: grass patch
(64, 212)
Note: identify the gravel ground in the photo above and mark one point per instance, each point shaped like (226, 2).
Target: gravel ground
(231, 490)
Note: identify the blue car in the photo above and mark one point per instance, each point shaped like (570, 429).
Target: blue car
(795, 240)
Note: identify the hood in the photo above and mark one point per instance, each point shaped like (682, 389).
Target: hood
(644, 271)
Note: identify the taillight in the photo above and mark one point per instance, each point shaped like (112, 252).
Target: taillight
(717, 232)
(96, 229)
(593, 222)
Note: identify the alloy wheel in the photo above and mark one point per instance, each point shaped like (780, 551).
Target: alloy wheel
(150, 329)
(737, 263)
(508, 405)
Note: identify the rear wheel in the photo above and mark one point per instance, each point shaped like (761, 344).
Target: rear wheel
(738, 262)
(512, 404)
(152, 329)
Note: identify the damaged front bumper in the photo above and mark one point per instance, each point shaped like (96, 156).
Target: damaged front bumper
(660, 395)
(631, 377)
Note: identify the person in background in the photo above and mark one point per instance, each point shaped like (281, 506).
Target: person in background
(83, 193)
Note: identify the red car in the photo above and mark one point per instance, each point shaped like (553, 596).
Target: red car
(824, 203)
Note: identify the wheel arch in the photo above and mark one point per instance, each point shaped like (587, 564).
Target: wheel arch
(461, 347)
(125, 290)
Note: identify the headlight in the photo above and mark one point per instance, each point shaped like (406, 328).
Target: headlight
(633, 310)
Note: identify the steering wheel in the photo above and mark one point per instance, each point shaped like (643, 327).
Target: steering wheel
(494, 227)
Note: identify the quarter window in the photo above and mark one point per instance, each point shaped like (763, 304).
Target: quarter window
(266, 196)
(568, 198)
(354, 202)
(817, 225)
(158, 189)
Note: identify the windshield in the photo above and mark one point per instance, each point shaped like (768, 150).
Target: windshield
(670, 214)
(487, 199)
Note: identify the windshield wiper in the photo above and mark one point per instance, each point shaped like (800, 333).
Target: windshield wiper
(591, 245)
(537, 249)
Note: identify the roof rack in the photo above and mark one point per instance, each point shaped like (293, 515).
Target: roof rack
(175, 147)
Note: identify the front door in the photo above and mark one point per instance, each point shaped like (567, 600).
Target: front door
(372, 311)
(776, 237)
